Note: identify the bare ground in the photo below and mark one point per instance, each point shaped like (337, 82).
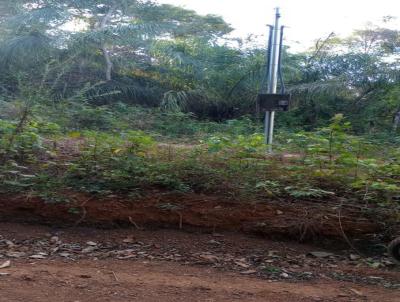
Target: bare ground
(87, 264)
(109, 280)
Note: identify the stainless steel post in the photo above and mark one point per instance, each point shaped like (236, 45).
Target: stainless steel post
(273, 79)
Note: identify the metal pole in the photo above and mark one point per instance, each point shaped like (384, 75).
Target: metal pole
(273, 72)
(272, 78)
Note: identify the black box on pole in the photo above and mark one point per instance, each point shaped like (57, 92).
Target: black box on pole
(273, 102)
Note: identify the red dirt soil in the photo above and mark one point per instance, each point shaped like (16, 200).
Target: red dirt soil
(87, 281)
(303, 220)
(88, 278)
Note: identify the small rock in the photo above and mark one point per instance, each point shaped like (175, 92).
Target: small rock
(279, 212)
(4, 274)
(284, 275)
(91, 243)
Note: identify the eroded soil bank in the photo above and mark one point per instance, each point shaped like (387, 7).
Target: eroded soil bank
(299, 221)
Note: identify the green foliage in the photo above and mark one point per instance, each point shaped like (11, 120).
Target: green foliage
(118, 52)
(306, 192)
(143, 97)
(19, 145)
(327, 164)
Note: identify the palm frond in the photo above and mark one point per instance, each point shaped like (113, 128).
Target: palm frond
(13, 52)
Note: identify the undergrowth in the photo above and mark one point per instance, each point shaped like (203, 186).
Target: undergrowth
(106, 156)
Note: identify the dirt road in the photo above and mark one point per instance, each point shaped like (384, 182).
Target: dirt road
(159, 281)
(83, 264)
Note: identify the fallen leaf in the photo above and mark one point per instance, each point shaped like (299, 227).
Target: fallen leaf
(241, 264)
(388, 263)
(273, 254)
(128, 240)
(321, 254)
(65, 254)
(249, 272)
(126, 257)
(37, 256)
(375, 265)
(9, 243)
(357, 292)
(15, 254)
(89, 249)
(54, 239)
(5, 264)
(210, 258)
(354, 257)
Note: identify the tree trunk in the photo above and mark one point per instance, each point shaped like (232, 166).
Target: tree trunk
(104, 48)
(396, 120)
(109, 64)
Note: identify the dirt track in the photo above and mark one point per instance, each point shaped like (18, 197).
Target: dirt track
(136, 281)
(83, 264)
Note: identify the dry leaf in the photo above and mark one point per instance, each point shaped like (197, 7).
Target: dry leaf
(5, 264)
(37, 257)
(357, 292)
(320, 254)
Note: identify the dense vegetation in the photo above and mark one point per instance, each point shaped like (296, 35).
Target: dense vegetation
(125, 97)
(66, 53)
